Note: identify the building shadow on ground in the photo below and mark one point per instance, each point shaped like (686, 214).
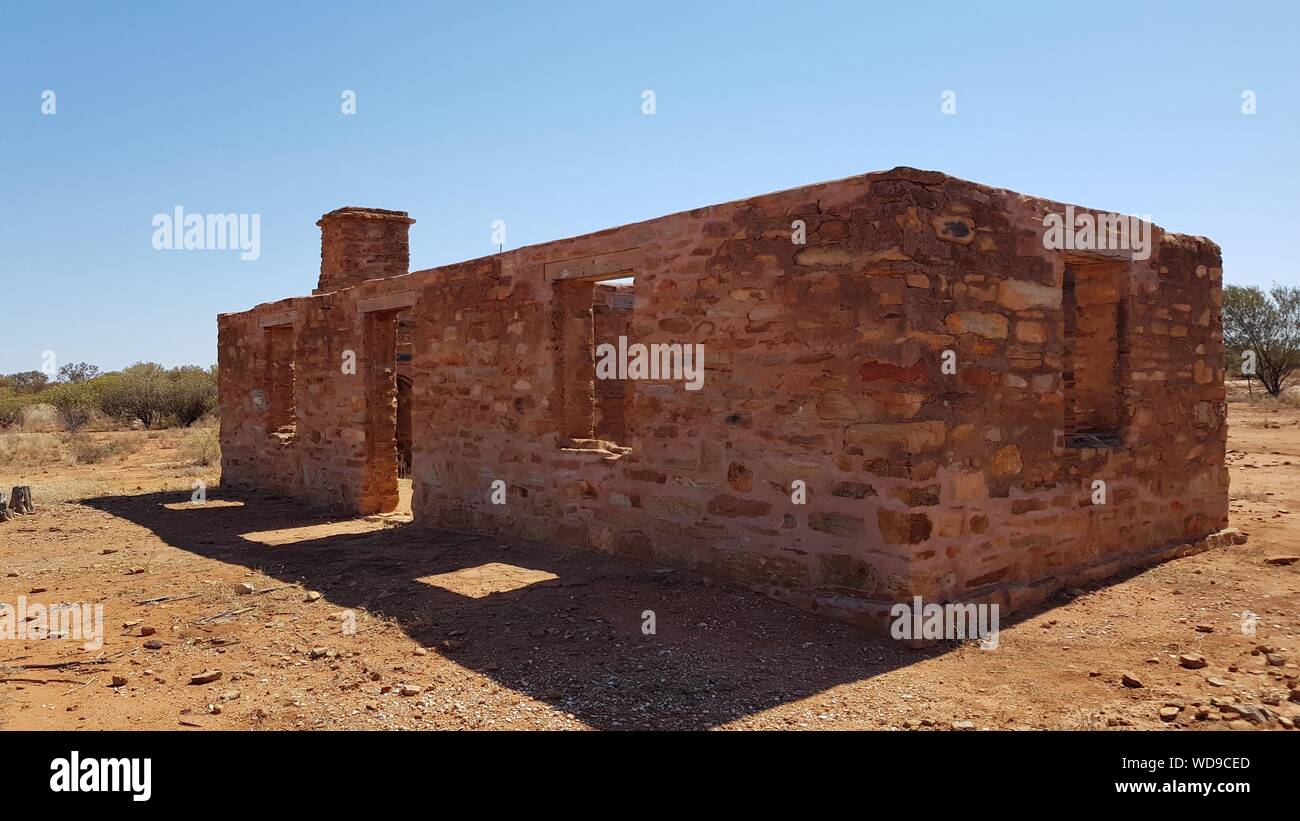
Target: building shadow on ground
(719, 652)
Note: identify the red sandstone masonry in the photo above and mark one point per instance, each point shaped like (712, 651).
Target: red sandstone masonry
(823, 364)
(358, 244)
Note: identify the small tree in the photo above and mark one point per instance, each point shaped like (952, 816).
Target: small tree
(78, 373)
(1262, 332)
(75, 402)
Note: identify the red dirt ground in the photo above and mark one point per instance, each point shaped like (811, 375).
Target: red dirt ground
(460, 631)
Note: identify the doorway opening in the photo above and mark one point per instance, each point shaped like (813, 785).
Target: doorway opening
(611, 318)
(1095, 352)
(388, 392)
(404, 434)
(281, 415)
(591, 313)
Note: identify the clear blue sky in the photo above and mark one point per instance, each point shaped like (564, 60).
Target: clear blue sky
(470, 112)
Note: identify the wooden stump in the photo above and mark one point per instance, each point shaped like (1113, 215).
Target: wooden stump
(5, 515)
(20, 499)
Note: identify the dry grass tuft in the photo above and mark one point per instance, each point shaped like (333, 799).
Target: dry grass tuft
(201, 448)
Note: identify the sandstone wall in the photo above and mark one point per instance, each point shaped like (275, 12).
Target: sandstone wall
(824, 364)
(358, 244)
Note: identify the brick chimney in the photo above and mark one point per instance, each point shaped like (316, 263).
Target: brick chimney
(357, 244)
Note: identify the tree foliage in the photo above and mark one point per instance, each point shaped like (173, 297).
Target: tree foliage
(138, 392)
(145, 392)
(27, 381)
(78, 372)
(151, 394)
(1261, 333)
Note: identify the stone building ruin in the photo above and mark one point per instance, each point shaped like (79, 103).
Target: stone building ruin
(918, 399)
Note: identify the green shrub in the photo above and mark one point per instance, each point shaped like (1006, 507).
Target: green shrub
(76, 404)
(11, 409)
(138, 392)
(191, 396)
(153, 395)
(26, 381)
